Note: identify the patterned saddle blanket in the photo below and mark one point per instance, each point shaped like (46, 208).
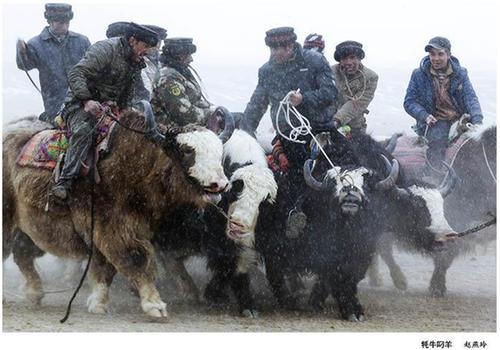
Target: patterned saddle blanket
(46, 148)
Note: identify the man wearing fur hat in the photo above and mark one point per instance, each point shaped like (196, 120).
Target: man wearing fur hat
(356, 84)
(53, 52)
(306, 77)
(144, 87)
(177, 97)
(439, 93)
(107, 73)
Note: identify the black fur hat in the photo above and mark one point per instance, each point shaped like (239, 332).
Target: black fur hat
(58, 12)
(178, 46)
(347, 48)
(281, 36)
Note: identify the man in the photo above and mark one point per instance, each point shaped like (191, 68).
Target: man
(53, 52)
(107, 73)
(439, 93)
(307, 77)
(356, 84)
(314, 42)
(151, 73)
(177, 97)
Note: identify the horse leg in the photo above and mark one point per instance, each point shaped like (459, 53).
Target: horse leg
(25, 252)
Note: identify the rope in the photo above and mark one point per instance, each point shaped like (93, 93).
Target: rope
(488, 163)
(296, 131)
(82, 279)
(354, 97)
(55, 291)
(479, 227)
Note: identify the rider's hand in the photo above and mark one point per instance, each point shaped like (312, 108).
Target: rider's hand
(283, 162)
(92, 107)
(21, 46)
(431, 120)
(296, 98)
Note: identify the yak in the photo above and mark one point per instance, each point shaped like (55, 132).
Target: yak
(226, 233)
(348, 215)
(142, 182)
(474, 162)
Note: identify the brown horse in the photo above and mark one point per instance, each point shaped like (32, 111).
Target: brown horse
(142, 182)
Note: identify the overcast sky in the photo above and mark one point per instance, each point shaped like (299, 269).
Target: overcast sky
(231, 33)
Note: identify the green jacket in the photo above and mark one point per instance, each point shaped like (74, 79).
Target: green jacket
(106, 73)
(352, 105)
(178, 99)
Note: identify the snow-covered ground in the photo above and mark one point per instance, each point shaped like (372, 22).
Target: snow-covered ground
(469, 307)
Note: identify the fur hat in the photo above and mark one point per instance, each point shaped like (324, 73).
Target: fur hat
(58, 12)
(347, 48)
(281, 36)
(178, 46)
(314, 41)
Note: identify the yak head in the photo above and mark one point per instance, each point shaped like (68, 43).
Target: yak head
(199, 152)
(421, 208)
(350, 186)
(251, 188)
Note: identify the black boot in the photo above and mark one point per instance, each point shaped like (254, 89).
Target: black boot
(61, 190)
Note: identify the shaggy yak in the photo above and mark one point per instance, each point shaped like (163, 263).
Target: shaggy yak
(142, 182)
(473, 158)
(226, 234)
(348, 214)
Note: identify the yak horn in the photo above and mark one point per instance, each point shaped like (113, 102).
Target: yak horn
(391, 179)
(310, 180)
(229, 123)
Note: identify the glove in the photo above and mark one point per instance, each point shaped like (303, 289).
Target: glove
(279, 156)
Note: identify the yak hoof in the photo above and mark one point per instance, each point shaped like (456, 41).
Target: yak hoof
(437, 293)
(157, 310)
(248, 313)
(399, 281)
(35, 296)
(96, 306)
(354, 318)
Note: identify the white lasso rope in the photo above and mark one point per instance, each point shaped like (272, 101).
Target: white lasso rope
(296, 131)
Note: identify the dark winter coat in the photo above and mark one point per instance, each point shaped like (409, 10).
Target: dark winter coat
(53, 61)
(310, 72)
(420, 100)
(107, 72)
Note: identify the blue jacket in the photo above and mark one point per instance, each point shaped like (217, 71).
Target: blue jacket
(310, 72)
(420, 100)
(53, 61)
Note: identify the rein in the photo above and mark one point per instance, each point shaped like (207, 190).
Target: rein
(488, 163)
(479, 227)
(112, 116)
(82, 279)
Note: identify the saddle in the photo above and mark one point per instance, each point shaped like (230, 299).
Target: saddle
(46, 148)
(411, 154)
